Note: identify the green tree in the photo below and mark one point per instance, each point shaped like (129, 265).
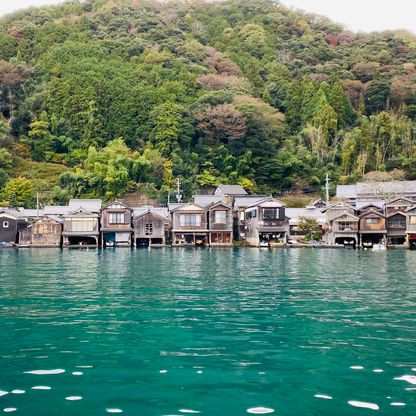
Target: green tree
(21, 188)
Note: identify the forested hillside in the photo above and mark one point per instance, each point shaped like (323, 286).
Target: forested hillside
(105, 97)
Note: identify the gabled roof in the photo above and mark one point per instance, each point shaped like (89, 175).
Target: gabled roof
(268, 201)
(411, 208)
(342, 203)
(216, 204)
(371, 204)
(398, 188)
(372, 212)
(187, 205)
(360, 203)
(116, 204)
(81, 212)
(345, 214)
(241, 201)
(391, 201)
(230, 190)
(204, 200)
(396, 213)
(145, 209)
(314, 203)
(11, 212)
(92, 205)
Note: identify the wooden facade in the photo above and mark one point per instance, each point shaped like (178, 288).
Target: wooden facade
(411, 226)
(220, 224)
(81, 228)
(398, 205)
(266, 220)
(116, 229)
(189, 225)
(373, 228)
(396, 228)
(150, 229)
(44, 233)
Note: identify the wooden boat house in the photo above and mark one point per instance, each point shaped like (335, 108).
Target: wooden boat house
(81, 227)
(47, 232)
(266, 221)
(220, 224)
(189, 225)
(373, 228)
(151, 226)
(116, 229)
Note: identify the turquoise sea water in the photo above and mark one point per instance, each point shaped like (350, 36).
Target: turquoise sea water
(173, 331)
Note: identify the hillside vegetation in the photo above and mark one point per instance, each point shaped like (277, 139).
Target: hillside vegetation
(116, 94)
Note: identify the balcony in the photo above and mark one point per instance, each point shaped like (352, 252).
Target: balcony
(227, 225)
(201, 226)
(345, 229)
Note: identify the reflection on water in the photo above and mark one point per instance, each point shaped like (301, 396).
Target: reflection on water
(216, 332)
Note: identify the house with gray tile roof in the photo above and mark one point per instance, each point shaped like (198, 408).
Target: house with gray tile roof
(92, 205)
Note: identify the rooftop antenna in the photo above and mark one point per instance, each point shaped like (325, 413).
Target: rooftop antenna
(178, 195)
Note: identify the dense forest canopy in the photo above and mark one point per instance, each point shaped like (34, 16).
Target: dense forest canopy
(123, 93)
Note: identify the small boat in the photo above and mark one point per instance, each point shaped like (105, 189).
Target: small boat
(264, 244)
(379, 247)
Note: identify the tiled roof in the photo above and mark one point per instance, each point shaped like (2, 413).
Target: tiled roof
(163, 212)
(204, 200)
(230, 190)
(347, 191)
(12, 212)
(92, 205)
(31, 213)
(383, 190)
(55, 210)
(242, 201)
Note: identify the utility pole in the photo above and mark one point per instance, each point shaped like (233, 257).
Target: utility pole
(327, 188)
(37, 205)
(178, 195)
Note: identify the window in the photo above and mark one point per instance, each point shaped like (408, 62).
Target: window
(371, 220)
(220, 217)
(396, 224)
(79, 224)
(116, 218)
(242, 216)
(345, 225)
(5, 224)
(271, 214)
(188, 220)
(149, 228)
(412, 219)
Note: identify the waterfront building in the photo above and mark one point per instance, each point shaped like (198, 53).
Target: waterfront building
(220, 223)
(373, 228)
(239, 213)
(342, 224)
(11, 221)
(151, 226)
(266, 221)
(396, 228)
(81, 227)
(189, 225)
(116, 229)
(47, 232)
